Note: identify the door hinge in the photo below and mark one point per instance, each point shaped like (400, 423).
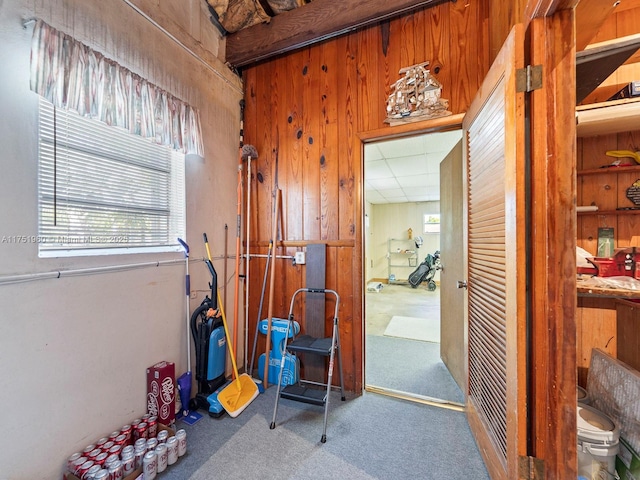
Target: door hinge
(530, 468)
(529, 78)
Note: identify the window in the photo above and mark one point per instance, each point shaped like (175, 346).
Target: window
(431, 223)
(102, 190)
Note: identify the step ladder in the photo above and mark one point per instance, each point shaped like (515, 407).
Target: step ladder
(315, 393)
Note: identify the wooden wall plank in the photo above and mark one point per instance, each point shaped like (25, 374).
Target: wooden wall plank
(328, 143)
(292, 146)
(552, 309)
(341, 97)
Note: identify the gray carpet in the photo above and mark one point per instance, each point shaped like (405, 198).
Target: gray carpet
(368, 437)
(410, 366)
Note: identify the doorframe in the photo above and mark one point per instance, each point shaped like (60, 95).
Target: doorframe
(440, 124)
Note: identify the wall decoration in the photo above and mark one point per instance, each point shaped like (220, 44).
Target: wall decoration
(415, 96)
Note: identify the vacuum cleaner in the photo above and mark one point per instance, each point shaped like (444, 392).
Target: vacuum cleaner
(211, 351)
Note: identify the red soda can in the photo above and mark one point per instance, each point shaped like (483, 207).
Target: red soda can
(84, 468)
(88, 449)
(101, 442)
(71, 459)
(108, 445)
(101, 459)
(141, 430)
(152, 426)
(94, 453)
(76, 463)
(116, 449)
(121, 439)
(113, 435)
(127, 431)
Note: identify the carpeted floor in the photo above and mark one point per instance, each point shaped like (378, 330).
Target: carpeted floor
(414, 328)
(368, 437)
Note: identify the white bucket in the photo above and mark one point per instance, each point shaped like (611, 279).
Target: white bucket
(598, 437)
(583, 396)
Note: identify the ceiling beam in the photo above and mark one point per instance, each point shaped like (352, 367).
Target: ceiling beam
(311, 23)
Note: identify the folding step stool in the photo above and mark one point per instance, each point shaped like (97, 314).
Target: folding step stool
(326, 347)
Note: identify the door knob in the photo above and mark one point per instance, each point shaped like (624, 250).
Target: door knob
(461, 284)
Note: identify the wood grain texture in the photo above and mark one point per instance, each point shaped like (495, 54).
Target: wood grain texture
(311, 109)
(553, 229)
(316, 21)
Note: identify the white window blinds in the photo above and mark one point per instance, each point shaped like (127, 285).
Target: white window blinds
(103, 190)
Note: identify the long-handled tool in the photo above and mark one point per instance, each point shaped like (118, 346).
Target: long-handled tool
(238, 230)
(236, 396)
(276, 211)
(249, 153)
(264, 287)
(184, 381)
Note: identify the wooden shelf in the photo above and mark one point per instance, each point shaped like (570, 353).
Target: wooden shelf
(608, 117)
(604, 170)
(611, 212)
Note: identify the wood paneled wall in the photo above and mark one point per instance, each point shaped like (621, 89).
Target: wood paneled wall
(306, 112)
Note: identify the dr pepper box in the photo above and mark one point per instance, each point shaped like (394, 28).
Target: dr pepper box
(161, 398)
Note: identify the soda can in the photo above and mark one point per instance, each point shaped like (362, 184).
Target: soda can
(91, 473)
(88, 449)
(77, 463)
(163, 457)
(141, 430)
(113, 435)
(101, 442)
(110, 459)
(107, 445)
(145, 417)
(129, 449)
(172, 450)
(127, 431)
(152, 426)
(121, 439)
(102, 475)
(101, 459)
(115, 449)
(139, 456)
(70, 462)
(150, 465)
(128, 463)
(140, 443)
(94, 453)
(152, 443)
(84, 468)
(162, 436)
(181, 436)
(116, 471)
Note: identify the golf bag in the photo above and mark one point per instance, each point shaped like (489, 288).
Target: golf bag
(426, 271)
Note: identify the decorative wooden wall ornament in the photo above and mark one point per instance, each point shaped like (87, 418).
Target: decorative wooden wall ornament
(415, 96)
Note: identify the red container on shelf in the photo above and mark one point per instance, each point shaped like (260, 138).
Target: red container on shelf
(161, 398)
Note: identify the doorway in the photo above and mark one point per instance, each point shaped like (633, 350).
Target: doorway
(401, 228)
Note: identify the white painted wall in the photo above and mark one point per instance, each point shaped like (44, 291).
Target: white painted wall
(74, 350)
(394, 220)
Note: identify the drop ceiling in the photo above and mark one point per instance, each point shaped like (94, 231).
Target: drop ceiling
(407, 169)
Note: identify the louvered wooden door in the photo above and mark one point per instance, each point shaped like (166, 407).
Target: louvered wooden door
(495, 299)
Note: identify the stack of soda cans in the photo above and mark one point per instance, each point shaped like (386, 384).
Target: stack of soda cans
(140, 445)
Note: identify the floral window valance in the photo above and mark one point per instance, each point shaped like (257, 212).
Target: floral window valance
(72, 76)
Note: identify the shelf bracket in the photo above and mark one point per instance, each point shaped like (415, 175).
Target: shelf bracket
(529, 78)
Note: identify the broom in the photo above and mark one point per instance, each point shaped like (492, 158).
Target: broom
(236, 396)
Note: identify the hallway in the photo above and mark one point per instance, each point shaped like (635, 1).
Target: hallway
(405, 364)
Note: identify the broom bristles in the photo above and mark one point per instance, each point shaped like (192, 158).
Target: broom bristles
(249, 151)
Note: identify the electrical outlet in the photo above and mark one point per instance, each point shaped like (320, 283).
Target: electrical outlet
(300, 258)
